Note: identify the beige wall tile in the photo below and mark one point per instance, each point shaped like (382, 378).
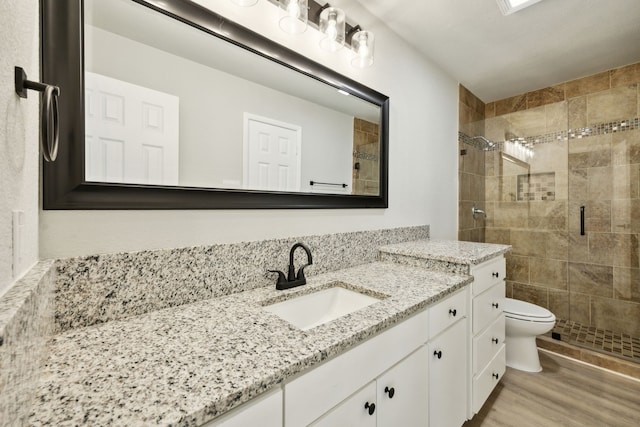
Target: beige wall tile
(557, 245)
(577, 112)
(545, 96)
(533, 294)
(528, 122)
(578, 247)
(591, 279)
(549, 215)
(626, 181)
(496, 128)
(586, 85)
(529, 243)
(549, 273)
(468, 98)
(578, 184)
(500, 236)
(510, 214)
(625, 147)
(625, 216)
(614, 104)
(616, 315)
(626, 283)
(625, 76)
(464, 191)
(601, 246)
(594, 151)
(600, 183)
(511, 105)
(580, 308)
(597, 216)
(518, 268)
(492, 188)
(490, 110)
(559, 303)
(626, 251)
(557, 116)
(549, 157)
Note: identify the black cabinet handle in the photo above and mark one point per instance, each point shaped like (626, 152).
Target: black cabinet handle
(494, 304)
(438, 354)
(582, 220)
(390, 391)
(495, 274)
(496, 376)
(371, 407)
(453, 312)
(494, 340)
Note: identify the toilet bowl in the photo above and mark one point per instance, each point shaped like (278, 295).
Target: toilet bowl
(524, 321)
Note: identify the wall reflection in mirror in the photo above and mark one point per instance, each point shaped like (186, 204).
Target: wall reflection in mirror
(167, 104)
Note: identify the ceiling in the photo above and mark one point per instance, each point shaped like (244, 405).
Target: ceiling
(498, 56)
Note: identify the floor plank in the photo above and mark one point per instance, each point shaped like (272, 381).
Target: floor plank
(566, 393)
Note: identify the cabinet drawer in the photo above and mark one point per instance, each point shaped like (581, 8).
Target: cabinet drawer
(487, 306)
(487, 274)
(487, 344)
(447, 312)
(484, 382)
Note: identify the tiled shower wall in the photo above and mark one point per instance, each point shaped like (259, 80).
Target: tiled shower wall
(471, 166)
(585, 136)
(366, 151)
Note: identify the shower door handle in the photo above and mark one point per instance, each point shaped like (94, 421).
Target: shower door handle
(582, 220)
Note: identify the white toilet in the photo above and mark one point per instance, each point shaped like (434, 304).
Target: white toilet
(524, 321)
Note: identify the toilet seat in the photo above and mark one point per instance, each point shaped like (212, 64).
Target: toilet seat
(522, 310)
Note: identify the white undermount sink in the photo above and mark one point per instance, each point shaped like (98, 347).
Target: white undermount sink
(310, 310)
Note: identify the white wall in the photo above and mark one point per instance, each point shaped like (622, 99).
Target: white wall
(19, 46)
(423, 161)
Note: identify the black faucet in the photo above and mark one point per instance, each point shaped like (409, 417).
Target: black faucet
(293, 279)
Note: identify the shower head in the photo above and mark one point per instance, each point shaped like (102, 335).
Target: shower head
(488, 143)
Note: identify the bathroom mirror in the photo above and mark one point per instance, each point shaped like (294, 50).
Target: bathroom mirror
(205, 102)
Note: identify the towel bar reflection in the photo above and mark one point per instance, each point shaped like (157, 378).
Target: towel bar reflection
(49, 121)
(327, 183)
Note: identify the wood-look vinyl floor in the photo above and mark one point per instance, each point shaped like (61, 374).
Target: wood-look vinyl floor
(566, 393)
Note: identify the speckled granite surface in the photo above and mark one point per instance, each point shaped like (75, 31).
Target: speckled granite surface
(441, 255)
(100, 288)
(26, 319)
(185, 365)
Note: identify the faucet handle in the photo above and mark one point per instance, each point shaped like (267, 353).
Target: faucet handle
(282, 279)
(300, 275)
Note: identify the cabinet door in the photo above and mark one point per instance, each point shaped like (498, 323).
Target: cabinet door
(448, 366)
(360, 410)
(402, 392)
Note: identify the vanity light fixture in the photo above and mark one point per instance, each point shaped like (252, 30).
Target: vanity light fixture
(245, 3)
(507, 7)
(362, 42)
(294, 16)
(332, 26)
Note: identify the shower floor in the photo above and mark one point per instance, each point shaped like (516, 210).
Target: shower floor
(600, 340)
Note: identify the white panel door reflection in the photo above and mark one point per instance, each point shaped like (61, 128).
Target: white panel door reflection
(131, 133)
(272, 154)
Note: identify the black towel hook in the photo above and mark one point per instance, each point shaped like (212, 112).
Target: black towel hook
(49, 121)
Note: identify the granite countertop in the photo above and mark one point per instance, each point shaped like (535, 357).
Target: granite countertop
(469, 253)
(188, 364)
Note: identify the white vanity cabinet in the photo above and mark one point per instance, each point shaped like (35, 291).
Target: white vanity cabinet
(488, 330)
(340, 388)
(396, 398)
(448, 361)
(265, 411)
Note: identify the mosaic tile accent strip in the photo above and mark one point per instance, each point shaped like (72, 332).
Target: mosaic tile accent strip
(365, 156)
(537, 186)
(601, 340)
(530, 141)
(26, 319)
(100, 288)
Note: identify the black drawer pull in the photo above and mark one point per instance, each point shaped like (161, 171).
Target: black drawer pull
(496, 376)
(371, 407)
(453, 312)
(438, 354)
(495, 340)
(390, 391)
(494, 304)
(495, 274)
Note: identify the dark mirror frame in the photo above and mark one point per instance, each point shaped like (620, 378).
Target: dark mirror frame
(64, 186)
